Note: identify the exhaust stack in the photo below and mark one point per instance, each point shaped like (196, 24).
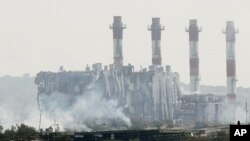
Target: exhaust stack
(117, 28)
(194, 55)
(231, 67)
(156, 29)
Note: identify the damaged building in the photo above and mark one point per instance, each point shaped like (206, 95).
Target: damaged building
(150, 95)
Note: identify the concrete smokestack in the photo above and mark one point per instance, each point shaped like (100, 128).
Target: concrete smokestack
(156, 29)
(231, 67)
(117, 27)
(194, 55)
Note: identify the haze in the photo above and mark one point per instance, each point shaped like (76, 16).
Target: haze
(40, 35)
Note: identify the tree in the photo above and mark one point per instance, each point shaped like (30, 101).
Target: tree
(1, 135)
(19, 133)
(9, 134)
(1, 129)
(26, 132)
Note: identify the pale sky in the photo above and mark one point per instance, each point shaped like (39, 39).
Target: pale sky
(40, 35)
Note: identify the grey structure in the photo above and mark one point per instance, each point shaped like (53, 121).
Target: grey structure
(150, 95)
(117, 27)
(146, 95)
(156, 29)
(231, 65)
(193, 31)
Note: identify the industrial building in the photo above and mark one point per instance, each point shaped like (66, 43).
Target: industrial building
(151, 94)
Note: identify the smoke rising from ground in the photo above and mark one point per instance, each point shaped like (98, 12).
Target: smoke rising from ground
(18, 101)
(88, 112)
(18, 104)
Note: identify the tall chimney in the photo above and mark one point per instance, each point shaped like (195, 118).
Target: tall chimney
(194, 55)
(156, 29)
(230, 53)
(117, 27)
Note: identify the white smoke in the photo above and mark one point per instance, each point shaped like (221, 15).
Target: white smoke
(18, 104)
(231, 113)
(18, 101)
(240, 115)
(88, 112)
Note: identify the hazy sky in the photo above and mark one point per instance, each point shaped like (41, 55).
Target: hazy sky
(40, 35)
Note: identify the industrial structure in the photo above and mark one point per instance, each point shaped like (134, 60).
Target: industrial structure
(151, 94)
(156, 29)
(193, 31)
(231, 67)
(148, 95)
(117, 27)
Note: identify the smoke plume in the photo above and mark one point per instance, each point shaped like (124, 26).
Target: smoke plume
(18, 104)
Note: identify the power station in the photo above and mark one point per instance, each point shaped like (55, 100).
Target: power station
(152, 95)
